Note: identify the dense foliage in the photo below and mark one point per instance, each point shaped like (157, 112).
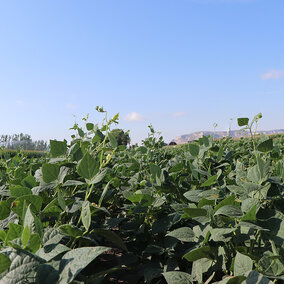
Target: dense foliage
(121, 137)
(95, 212)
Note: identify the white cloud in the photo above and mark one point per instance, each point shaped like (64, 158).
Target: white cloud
(71, 106)
(134, 116)
(179, 113)
(272, 74)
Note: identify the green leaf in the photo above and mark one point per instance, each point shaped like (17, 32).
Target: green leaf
(197, 195)
(77, 259)
(104, 193)
(156, 173)
(5, 262)
(205, 140)
(80, 132)
(2, 236)
(242, 264)
(61, 200)
(271, 264)
(29, 181)
(178, 277)
(222, 234)
(26, 236)
(204, 202)
(87, 167)
(98, 137)
(210, 181)
(50, 172)
(230, 200)
(17, 191)
(51, 236)
(23, 263)
(253, 277)
(4, 210)
(100, 175)
(20, 204)
(33, 222)
(46, 274)
(251, 214)
(62, 174)
(70, 230)
(86, 215)
(230, 211)
(193, 149)
(57, 148)
(183, 234)
(34, 243)
(14, 232)
(112, 140)
(195, 254)
(266, 145)
(89, 126)
(177, 168)
(194, 212)
(112, 237)
(72, 183)
(243, 121)
(252, 226)
(51, 251)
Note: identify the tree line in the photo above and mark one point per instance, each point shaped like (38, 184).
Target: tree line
(15, 141)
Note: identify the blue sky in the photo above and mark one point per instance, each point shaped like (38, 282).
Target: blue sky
(181, 65)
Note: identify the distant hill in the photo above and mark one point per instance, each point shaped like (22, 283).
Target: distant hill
(219, 134)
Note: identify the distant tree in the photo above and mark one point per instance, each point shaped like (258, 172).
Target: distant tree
(122, 137)
(173, 143)
(25, 141)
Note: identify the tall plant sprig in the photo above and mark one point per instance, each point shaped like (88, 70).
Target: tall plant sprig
(98, 146)
(244, 121)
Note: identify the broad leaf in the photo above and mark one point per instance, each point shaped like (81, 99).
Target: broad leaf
(193, 149)
(210, 181)
(112, 237)
(112, 140)
(266, 145)
(86, 215)
(243, 121)
(57, 148)
(77, 259)
(87, 167)
(242, 264)
(183, 234)
(17, 191)
(50, 172)
(33, 222)
(194, 212)
(230, 211)
(178, 277)
(195, 254)
(22, 264)
(5, 262)
(4, 210)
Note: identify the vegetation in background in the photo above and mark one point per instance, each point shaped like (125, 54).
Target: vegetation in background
(121, 137)
(96, 212)
(24, 141)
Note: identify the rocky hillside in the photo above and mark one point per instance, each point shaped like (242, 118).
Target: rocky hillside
(218, 134)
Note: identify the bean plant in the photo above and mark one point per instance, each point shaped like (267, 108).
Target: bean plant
(91, 211)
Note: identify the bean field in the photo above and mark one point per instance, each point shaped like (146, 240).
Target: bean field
(92, 211)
